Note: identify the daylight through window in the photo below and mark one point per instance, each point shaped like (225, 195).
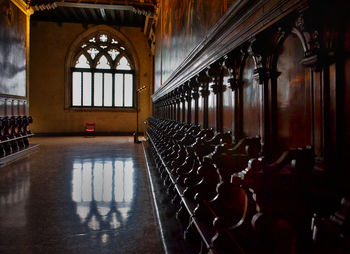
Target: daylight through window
(102, 74)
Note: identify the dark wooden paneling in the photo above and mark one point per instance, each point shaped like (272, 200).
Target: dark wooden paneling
(233, 29)
(318, 137)
(250, 100)
(293, 96)
(184, 26)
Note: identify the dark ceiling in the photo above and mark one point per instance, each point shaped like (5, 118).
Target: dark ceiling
(111, 12)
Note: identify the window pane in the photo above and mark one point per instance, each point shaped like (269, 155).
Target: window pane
(108, 90)
(98, 89)
(123, 64)
(82, 62)
(128, 91)
(93, 52)
(113, 53)
(86, 89)
(76, 91)
(103, 63)
(118, 96)
(103, 38)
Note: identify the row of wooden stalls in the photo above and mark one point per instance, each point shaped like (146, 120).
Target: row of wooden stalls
(250, 134)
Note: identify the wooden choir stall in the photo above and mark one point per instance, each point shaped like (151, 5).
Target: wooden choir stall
(250, 134)
(14, 130)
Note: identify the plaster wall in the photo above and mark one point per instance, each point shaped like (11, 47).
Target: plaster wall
(50, 43)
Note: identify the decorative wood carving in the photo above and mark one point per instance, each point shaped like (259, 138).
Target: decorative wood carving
(233, 63)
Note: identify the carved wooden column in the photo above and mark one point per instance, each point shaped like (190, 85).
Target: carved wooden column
(321, 63)
(233, 63)
(183, 103)
(215, 74)
(165, 106)
(173, 105)
(155, 106)
(204, 92)
(159, 108)
(188, 98)
(195, 95)
(261, 76)
(168, 106)
(162, 108)
(178, 101)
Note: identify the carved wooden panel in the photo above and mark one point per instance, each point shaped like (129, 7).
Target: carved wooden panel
(212, 111)
(293, 110)
(250, 100)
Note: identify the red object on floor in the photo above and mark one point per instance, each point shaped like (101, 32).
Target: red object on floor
(90, 127)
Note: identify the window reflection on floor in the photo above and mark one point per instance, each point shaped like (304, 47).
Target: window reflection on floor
(14, 192)
(103, 192)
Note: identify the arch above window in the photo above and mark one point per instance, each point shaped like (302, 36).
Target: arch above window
(102, 45)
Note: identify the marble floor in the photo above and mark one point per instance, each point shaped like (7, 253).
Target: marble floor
(78, 195)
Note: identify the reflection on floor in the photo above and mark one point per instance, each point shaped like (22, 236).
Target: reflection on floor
(78, 195)
(103, 192)
(14, 199)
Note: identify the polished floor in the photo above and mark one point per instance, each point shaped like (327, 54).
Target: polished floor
(78, 195)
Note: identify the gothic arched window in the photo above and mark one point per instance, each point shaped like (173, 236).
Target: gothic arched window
(102, 73)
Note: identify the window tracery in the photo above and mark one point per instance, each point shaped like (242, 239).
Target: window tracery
(102, 73)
